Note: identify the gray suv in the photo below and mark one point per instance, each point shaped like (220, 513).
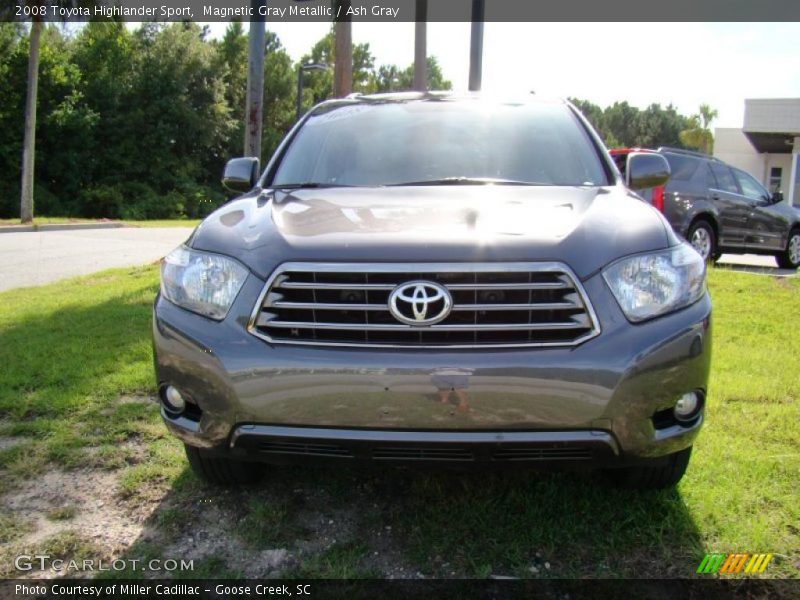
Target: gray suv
(720, 208)
(427, 278)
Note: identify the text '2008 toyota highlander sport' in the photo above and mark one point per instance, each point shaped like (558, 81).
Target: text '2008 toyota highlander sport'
(430, 278)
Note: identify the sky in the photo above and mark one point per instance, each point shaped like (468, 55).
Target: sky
(685, 64)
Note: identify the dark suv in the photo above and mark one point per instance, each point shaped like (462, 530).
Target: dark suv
(434, 278)
(720, 208)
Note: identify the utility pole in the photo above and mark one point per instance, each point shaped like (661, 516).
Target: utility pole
(254, 109)
(420, 46)
(29, 141)
(343, 50)
(476, 46)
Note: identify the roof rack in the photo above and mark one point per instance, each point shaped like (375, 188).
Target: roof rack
(687, 152)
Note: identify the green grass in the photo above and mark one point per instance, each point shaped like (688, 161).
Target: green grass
(164, 223)
(65, 220)
(340, 561)
(47, 221)
(61, 513)
(69, 350)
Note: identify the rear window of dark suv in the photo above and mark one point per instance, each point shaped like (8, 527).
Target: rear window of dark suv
(683, 168)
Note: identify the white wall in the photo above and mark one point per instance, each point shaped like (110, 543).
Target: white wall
(732, 146)
(777, 115)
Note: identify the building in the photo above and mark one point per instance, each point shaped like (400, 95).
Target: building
(767, 146)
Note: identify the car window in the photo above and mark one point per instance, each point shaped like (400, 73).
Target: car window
(393, 143)
(724, 177)
(682, 167)
(711, 181)
(750, 187)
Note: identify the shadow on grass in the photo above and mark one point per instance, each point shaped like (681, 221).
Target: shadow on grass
(67, 353)
(370, 522)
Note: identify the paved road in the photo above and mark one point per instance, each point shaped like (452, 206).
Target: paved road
(35, 258)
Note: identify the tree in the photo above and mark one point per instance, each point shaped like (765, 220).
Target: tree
(389, 78)
(319, 84)
(39, 10)
(698, 134)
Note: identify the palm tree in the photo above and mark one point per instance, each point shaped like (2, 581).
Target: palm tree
(707, 114)
(343, 50)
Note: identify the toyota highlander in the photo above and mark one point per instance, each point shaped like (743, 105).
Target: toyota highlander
(430, 278)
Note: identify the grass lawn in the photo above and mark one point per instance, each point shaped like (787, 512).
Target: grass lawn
(65, 220)
(77, 361)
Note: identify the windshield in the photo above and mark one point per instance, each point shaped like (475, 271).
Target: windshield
(436, 142)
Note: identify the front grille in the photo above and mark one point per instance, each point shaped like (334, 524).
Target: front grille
(417, 452)
(540, 452)
(493, 305)
(304, 448)
(409, 452)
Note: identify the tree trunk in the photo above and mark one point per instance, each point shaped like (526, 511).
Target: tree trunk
(420, 47)
(29, 143)
(343, 50)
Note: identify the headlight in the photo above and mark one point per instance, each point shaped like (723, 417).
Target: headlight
(650, 285)
(201, 282)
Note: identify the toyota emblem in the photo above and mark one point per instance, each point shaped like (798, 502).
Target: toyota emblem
(420, 303)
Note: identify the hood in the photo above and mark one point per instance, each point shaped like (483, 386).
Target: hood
(584, 227)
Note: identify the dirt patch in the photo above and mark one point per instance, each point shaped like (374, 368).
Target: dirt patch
(204, 525)
(9, 442)
(95, 509)
(136, 399)
(784, 281)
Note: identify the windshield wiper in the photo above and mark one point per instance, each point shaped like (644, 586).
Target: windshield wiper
(468, 181)
(307, 185)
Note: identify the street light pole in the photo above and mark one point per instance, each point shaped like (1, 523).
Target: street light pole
(300, 70)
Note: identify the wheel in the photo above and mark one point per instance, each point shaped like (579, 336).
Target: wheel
(790, 258)
(658, 473)
(220, 470)
(703, 239)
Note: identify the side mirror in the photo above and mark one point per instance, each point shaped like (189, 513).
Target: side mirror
(776, 197)
(241, 174)
(646, 170)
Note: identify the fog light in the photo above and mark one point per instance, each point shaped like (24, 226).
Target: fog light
(173, 401)
(686, 406)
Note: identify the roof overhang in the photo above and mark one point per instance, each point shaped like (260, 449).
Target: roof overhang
(771, 142)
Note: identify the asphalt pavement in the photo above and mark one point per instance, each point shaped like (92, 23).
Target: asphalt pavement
(35, 258)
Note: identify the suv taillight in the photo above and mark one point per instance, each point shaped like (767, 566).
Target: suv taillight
(658, 198)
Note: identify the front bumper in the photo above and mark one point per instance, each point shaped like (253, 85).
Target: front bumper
(592, 403)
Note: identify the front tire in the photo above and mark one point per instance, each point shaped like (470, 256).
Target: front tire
(704, 240)
(790, 258)
(656, 474)
(219, 470)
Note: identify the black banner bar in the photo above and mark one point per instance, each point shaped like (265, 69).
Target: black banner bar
(404, 10)
(322, 589)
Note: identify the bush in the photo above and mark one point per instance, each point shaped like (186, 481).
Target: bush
(102, 201)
